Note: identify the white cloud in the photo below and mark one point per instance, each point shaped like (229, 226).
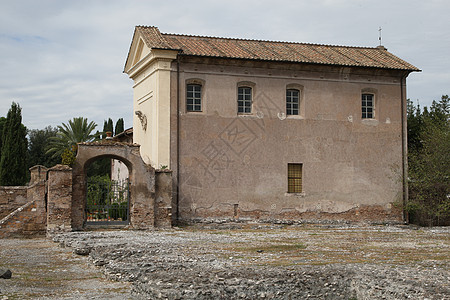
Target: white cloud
(62, 59)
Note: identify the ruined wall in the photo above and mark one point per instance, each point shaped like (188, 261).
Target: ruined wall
(25, 211)
(236, 165)
(163, 198)
(11, 198)
(143, 209)
(59, 199)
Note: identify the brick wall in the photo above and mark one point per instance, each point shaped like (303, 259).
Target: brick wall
(26, 211)
(59, 203)
(11, 198)
(163, 201)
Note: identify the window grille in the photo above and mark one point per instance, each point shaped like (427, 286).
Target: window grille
(295, 178)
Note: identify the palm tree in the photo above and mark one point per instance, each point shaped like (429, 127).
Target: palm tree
(77, 131)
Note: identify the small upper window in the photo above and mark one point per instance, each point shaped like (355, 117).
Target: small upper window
(244, 100)
(194, 97)
(292, 101)
(367, 106)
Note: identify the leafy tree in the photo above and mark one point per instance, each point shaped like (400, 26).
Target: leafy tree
(78, 130)
(429, 165)
(38, 141)
(13, 164)
(100, 167)
(119, 127)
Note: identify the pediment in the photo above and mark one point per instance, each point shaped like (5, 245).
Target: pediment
(138, 50)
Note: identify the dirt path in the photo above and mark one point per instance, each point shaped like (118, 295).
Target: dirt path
(42, 270)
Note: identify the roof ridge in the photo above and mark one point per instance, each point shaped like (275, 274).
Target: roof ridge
(298, 52)
(266, 41)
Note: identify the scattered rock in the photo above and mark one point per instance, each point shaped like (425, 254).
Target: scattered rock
(193, 265)
(5, 273)
(82, 251)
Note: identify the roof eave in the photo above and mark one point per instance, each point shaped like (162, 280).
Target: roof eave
(409, 70)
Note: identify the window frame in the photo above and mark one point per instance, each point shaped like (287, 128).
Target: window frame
(295, 178)
(197, 96)
(301, 101)
(367, 111)
(290, 103)
(246, 103)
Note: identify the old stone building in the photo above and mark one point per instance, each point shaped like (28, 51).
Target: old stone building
(271, 130)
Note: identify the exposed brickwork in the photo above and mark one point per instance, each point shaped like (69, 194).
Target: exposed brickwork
(367, 213)
(59, 203)
(11, 198)
(143, 208)
(28, 218)
(163, 200)
(46, 205)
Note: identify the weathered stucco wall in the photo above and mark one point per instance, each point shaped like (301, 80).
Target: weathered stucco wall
(232, 163)
(151, 102)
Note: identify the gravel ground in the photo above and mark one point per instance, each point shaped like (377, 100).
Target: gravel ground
(260, 261)
(42, 270)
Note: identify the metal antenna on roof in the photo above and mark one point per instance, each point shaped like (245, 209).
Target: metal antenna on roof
(379, 37)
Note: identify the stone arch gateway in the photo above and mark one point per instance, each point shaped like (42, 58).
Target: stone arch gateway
(144, 208)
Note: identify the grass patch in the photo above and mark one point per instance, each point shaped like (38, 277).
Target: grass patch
(273, 248)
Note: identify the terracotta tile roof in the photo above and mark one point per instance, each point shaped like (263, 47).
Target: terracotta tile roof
(377, 57)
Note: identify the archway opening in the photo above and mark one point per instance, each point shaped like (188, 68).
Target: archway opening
(108, 191)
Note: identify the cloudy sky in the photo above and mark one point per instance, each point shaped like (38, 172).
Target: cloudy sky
(61, 59)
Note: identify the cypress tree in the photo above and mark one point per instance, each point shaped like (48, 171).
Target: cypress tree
(119, 126)
(2, 125)
(13, 162)
(107, 126)
(110, 126)
(105, 129)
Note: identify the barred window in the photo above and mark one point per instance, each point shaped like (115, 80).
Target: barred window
(292, 102)
(194, 97)
(367, 106)
(244, 100)
(295, 178)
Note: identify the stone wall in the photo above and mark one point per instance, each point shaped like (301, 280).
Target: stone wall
(163, 200)
(59, 203)
(11, 198)
(24, 211)
(46, 206)
(143, 209)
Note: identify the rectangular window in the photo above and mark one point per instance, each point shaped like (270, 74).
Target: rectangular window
(295, 178)
(292, 102)
(367, 106)
(244, 100)
(194, 97)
